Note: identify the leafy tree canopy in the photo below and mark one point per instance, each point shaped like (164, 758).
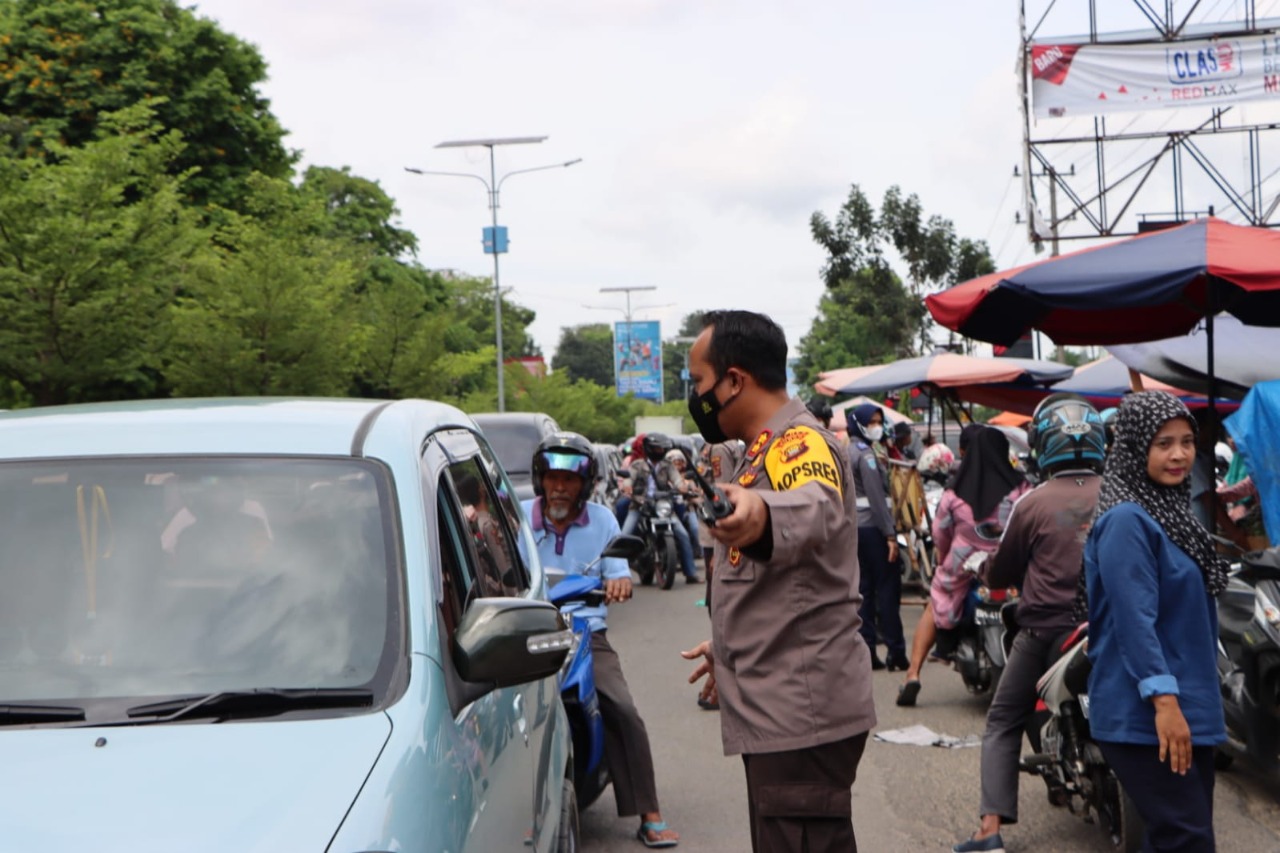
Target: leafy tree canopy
(94, 241)
(64, 64)
(870, 313)
(586, 352)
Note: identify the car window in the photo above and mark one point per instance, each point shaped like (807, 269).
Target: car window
(498, 568)
(518, 525)
(457, 561)
(146, 577)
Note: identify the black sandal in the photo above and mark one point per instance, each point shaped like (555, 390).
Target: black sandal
(908, 692)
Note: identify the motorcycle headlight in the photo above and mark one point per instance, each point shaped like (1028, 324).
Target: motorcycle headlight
(664, 509)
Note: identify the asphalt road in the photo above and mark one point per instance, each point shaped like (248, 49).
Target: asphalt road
(906, 798)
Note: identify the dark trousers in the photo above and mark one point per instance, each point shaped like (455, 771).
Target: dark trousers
(880, 584)
(626, 740)
(801, 801)
(1011, 708)
(1178, 810)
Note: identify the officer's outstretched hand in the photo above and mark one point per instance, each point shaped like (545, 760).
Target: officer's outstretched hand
(746, 524)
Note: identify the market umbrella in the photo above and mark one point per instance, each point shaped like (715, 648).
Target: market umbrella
(1142, 288)
(839, 419)
(1103, 383)
(942, 369)
(1239, 362)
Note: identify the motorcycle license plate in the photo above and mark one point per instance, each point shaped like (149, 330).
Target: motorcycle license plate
(1084, 705)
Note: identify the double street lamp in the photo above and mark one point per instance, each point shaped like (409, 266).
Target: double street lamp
(495, 237)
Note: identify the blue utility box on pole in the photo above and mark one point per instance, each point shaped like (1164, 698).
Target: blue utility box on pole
(495, 240)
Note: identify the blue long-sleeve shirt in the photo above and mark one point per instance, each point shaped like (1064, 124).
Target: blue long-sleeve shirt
(1153, 630)
(577, 547)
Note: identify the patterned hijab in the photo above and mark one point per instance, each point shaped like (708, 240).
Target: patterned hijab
(1125, 479)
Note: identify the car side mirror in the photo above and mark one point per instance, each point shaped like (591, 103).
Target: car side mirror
(508, 641)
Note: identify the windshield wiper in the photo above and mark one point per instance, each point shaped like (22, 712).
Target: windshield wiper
(17, 715)
(258, 702)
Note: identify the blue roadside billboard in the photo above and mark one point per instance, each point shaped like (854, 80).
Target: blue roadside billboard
(637, 359)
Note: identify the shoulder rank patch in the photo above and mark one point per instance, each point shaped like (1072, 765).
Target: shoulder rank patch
(735, 557)
(715, 466)
(800, 456)
(758, 445)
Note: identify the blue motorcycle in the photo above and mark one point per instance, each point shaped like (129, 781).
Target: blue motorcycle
(570, 592)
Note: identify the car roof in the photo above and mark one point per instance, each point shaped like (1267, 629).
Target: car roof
(241, 425)
(511, 417)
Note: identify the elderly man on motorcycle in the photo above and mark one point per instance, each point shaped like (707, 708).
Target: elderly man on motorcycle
(570, 533)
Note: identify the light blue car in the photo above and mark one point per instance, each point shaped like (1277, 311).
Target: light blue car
(272, 625)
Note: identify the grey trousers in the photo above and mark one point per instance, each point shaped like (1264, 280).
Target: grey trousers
(1011, 708)
(626, 740)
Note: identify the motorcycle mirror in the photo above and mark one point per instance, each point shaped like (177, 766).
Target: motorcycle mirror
(627, 547)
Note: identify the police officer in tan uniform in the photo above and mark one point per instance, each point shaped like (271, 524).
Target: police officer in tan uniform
(792, 670)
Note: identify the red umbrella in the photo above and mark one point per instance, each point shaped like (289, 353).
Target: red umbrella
(1143, 288)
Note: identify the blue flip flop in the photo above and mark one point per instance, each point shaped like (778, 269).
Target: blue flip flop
(654, 826)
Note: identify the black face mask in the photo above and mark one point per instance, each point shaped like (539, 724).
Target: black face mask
(704, 408)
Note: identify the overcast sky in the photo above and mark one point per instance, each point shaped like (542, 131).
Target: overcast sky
(709, 131)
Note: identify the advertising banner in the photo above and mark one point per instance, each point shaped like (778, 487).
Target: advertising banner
(637, 359)
(1070, 80)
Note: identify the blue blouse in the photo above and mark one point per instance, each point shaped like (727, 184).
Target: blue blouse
(1153, 630)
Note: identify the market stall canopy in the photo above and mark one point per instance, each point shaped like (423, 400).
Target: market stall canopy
(1242, 358)
(1144, 288)
(945, 370)
(1103, 383)
(839, 422)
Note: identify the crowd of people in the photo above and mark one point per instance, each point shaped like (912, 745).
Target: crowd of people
(804, 585)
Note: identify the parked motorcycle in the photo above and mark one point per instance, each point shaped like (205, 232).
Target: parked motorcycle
(570, 592)
(1249, 661)
(1069, 761)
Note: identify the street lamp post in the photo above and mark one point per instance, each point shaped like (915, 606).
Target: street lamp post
(495, 240)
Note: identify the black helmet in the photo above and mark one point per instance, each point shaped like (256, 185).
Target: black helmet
(1067, 432)
(565, 451)
(821, 410)
(656, 446)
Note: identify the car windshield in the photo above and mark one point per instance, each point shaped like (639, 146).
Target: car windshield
(513, 442)
(160, 577)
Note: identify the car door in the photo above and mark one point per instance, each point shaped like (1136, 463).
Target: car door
(479, 560)
(546, 692)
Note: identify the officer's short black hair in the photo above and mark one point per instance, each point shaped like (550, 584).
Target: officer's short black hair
(748, 341)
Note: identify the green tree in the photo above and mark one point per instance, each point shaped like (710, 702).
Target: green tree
(582, 406)
(93, 243)
(64, 64)
(273, 311)
(359, 210)
(864, 320)
(586, 352)
(869, 312)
